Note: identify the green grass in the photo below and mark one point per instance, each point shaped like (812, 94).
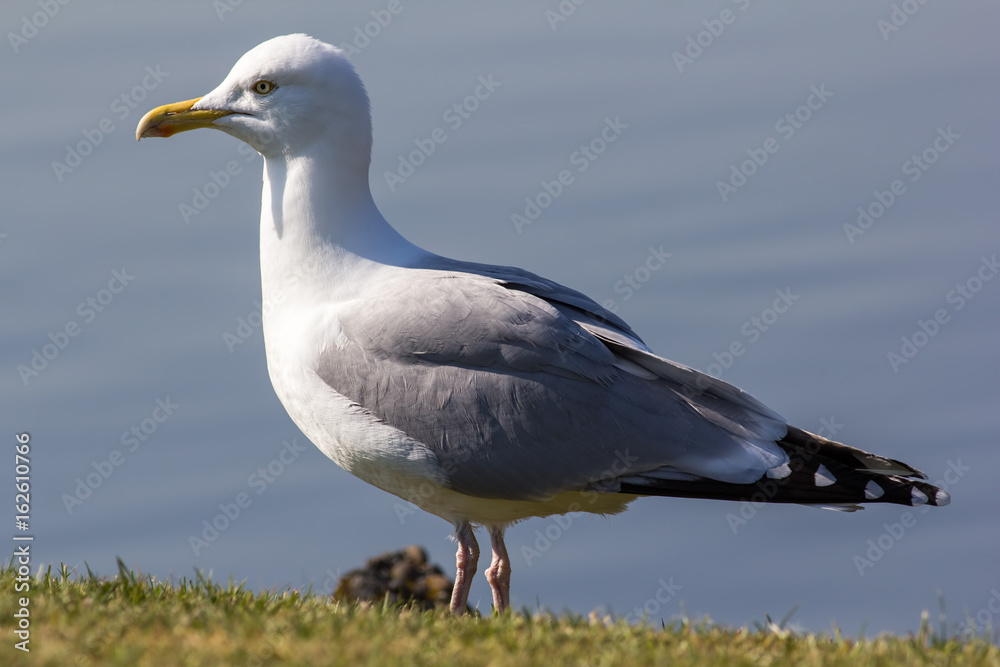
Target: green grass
(140, 621)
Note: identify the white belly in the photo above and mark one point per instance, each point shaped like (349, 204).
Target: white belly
(378, 453)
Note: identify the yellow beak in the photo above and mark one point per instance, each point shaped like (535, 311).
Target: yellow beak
(170, 119)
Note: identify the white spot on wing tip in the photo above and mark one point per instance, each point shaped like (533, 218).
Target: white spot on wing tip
(917, 497)
(824, 477)
(781, 472)
(942, 498)
(873, 490)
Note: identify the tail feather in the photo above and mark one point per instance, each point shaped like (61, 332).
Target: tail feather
(819, 472)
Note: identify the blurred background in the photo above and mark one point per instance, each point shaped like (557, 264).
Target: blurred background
(837, 157)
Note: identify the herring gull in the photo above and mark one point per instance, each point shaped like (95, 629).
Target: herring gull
(482, 394)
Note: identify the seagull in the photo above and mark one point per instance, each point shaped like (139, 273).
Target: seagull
(482, 394)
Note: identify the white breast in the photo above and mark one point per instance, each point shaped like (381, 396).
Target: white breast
(347, 433)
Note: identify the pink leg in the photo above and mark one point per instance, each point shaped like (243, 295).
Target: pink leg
(498, 573)
(465, 565)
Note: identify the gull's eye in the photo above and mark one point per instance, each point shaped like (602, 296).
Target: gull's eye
(263, 87)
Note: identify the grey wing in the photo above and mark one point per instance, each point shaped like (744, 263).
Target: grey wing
(613, 331)
(521, 397)
(515, 278)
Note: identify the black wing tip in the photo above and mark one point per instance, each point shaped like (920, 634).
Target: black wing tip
(819, 472)
(898, 491)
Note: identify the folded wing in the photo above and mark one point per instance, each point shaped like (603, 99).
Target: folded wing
(523, 389)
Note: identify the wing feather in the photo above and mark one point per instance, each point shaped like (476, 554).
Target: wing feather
(519, 400)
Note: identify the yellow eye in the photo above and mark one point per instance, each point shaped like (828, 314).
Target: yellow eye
(263, 87)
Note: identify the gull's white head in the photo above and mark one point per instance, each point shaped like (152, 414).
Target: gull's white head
(286, 96)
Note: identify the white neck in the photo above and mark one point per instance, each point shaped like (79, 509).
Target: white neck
(320, 231)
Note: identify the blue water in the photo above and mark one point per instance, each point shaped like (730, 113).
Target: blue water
(157, 332)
